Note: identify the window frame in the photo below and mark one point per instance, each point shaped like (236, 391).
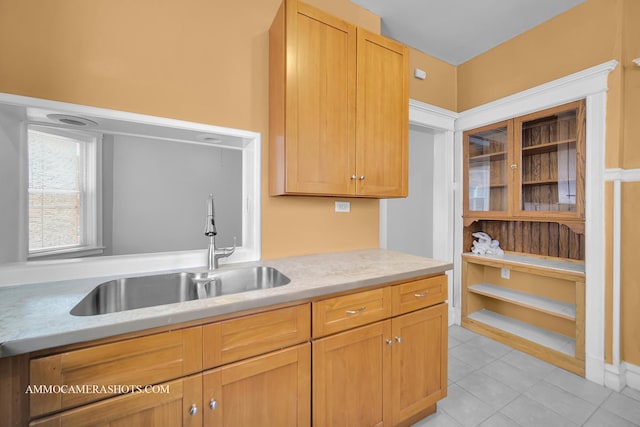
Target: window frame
(90, 195)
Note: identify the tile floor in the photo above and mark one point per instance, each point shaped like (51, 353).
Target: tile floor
(493, 385)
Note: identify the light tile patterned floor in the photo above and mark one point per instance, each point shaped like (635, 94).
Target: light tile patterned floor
(493, 385)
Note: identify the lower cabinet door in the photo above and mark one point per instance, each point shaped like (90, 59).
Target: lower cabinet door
(351, 377)
(269, 390)
(176, 403)
(419, 361)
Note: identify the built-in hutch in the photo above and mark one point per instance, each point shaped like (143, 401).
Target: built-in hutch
(524, 186)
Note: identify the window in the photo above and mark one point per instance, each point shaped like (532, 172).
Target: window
(63, 182)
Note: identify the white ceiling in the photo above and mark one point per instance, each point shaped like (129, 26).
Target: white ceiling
(457, 30)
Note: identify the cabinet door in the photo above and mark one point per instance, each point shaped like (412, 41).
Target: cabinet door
(549, 148)
(168, 406)
(270, 390)
(352, 379)
(487, 171)
(419, 361)
(320, 102)
(382, 117)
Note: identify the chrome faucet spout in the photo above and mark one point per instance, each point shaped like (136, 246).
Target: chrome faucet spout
(214, 254)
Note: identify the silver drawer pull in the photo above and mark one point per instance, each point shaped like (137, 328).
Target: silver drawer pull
(421, 294)
(213, 404)
(360, 310)
(193, 410)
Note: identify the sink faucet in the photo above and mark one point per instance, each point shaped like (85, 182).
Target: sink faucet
(210, 231)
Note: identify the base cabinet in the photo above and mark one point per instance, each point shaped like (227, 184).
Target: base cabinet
(419, 362)
(389, 373)
(271, 390)
(351, 377)
(376, 357)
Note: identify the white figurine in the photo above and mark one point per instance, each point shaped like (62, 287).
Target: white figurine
(485, 245)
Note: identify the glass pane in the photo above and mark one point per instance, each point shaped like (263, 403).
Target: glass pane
(54, 191)
(549, 163)
(488, 170)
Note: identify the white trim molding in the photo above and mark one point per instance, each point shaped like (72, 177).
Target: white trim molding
(618, 373)
(589, 84)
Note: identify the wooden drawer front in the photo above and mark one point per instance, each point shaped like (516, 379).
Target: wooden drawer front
(419, 294)
(237, 339)
(139, 361)
(346, 312)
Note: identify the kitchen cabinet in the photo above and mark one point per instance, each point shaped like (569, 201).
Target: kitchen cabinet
(339, 99)
(170, 408)
(379, 358)
(389, 372)
(528, 168)
(261, 362)
(270, 390)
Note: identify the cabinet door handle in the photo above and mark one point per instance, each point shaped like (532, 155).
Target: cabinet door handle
(360, 310)
(399, 339)
(361, 177)
(353, 177)
(514, 166)
(193, 410)
(213, 404)
(390, 342)
(421, 294)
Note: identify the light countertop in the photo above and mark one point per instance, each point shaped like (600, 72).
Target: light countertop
(36, 316)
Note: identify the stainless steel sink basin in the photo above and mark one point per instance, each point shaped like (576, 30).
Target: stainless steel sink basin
(148, 291)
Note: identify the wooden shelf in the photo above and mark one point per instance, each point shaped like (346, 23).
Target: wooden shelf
(547, 181)
(534, 302)
(563, 269)
(546, 147)
(498, 155)
(527, 331)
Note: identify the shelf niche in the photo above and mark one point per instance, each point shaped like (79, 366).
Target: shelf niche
(537, 238)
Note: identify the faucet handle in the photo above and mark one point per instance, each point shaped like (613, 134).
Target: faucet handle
(225, 252)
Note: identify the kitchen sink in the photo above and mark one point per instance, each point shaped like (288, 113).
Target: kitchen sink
(148, 291)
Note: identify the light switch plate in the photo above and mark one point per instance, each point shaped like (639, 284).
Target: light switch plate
(505, 273)
(343, 206)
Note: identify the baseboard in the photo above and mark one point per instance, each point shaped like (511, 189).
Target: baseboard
(594, 369)
(632, 375)
(614, 377)
(619, 377)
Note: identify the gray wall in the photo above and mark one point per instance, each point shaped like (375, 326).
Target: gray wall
(410, 220)
(159, 191)
(10, 224)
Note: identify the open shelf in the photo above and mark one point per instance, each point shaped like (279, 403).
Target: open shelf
(574, 269)
(527, 331)
(546, 305)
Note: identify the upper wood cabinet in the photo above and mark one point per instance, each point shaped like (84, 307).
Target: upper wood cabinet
(338, 106)
(529, 168)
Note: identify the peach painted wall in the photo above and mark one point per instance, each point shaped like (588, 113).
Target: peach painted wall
(630, 159)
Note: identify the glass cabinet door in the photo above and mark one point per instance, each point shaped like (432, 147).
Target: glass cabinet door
(550, 159)
(486, 155)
